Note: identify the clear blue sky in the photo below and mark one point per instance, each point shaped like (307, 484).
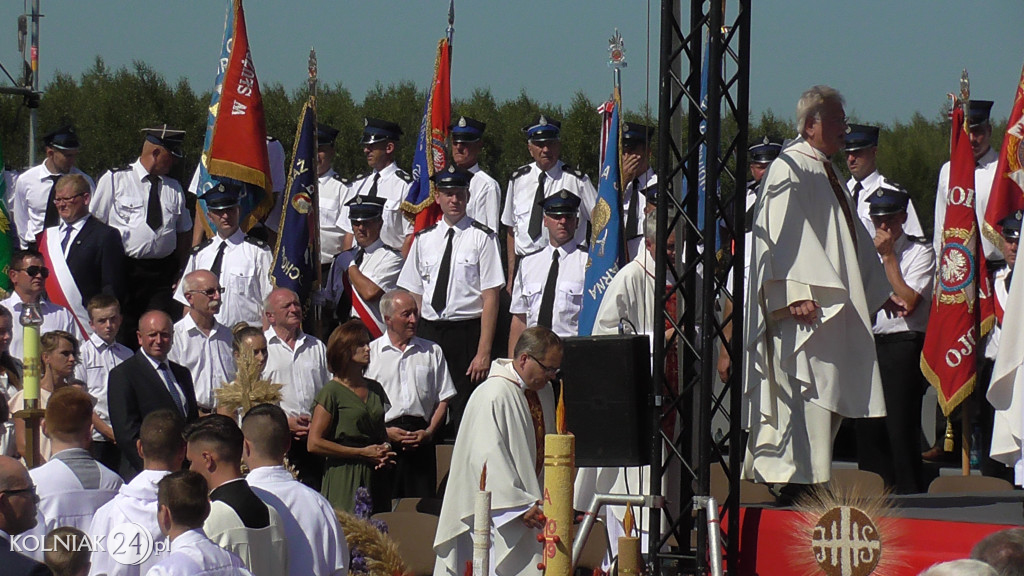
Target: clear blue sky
(890, 59)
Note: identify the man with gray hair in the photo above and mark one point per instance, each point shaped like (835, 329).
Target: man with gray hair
(630, 298)
(963, 567)
(201, 343)
(415, 376)
(815, 284)
(1003, 550)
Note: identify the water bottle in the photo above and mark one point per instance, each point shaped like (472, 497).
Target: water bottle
(976, 447)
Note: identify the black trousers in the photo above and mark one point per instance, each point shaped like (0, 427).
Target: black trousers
(309, 466)
(458, 340)
(890, 446)
(149, 288)
(414, 474)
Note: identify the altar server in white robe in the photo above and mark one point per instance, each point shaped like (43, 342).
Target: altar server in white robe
(182, 509)
(239, 520)
(508, 414)
(815, 284)
(162, 448)
(316, 543)
(72, 485)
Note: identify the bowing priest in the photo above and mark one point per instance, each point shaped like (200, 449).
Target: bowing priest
(508, 414)
(815, 284)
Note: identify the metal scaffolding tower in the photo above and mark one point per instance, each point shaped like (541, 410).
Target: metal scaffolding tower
(698, 123)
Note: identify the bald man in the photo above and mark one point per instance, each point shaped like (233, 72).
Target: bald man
(17, 515)
(146, 382)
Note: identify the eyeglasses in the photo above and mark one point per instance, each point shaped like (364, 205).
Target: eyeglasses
(31, 489)
(209, 292)
(36, 271)
(59, 201)
(555, 373)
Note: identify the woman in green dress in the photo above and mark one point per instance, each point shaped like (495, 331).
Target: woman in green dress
(348, 422)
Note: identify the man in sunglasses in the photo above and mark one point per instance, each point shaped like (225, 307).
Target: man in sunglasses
(17, 515)
(28, 274)
(201, 344)
(240, 262)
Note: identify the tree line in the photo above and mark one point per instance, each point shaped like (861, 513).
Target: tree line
(109, 107)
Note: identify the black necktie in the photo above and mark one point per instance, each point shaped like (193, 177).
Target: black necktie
(359, 257)
(218, 259)
(856, 191)
(440, 297)
(154, 214)
(537, 215)
(631, 218)
(51, 217)
(547, 300)
(373, 187)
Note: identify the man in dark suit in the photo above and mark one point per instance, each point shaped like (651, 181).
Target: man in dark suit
(17, 515)
(146, 382)
(93, 250)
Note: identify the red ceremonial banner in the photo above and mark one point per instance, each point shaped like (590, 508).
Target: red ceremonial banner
(1007, 194)
(238, 148)
(962, 303)
(419, 205)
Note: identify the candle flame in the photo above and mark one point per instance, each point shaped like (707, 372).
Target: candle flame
(560, 411)
(483, 478)
(628, 521)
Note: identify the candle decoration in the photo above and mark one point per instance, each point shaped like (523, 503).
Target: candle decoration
(482, 528)
(630, 560)
(559, 467)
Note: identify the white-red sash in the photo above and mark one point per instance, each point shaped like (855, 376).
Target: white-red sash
(61, 288)
(375, 326)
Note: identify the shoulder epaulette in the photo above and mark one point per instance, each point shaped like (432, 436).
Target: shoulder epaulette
(582, 247)
(271, 139)
(199, 247)
(575, 171)
(404, 175)
(394, 251)
(256, 242)
(537, 251)
(482, 226)
(521, 171)
(359, 177)
(428, 228)
(341, 179)
(121, 168)
(918, 239)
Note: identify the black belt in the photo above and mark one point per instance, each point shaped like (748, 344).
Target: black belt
(408, 423)
(450, 323)
(898, 337)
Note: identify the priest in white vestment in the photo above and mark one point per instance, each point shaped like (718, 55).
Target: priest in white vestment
(1006, 389)
(815, 284)
(503, 427)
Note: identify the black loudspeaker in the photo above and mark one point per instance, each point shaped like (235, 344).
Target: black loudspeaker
(607, 383)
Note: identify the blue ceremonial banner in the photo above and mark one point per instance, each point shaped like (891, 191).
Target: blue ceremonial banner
(297, 252)
(607, 247)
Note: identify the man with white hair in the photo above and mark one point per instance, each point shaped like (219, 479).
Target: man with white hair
(963, 567)
(815, 283)
(201, 343)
